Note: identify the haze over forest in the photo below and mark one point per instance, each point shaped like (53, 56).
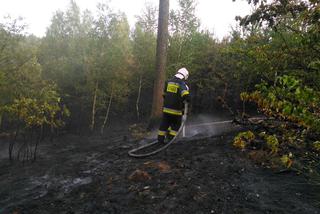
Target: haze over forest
(91, 77)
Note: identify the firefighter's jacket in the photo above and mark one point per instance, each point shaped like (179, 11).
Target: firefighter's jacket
(175, 93)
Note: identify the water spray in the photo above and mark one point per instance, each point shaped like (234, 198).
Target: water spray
(135, 152)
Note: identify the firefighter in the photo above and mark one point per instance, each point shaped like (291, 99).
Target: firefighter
(176, 92)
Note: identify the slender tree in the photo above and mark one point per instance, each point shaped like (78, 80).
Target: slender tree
(144, 50)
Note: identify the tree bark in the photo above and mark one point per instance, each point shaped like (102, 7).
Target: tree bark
(94, 106)
(107, 114)
(161, 58)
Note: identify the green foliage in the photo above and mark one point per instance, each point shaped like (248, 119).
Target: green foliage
(32, 112)
(295, 109)
(286, 160)
(19, 68)
(183, 22)
(272, 142)
(243, 139)
(184, 37)
(289, 100)
(316, 145)
(292, 29)
(26, 99)
(92, 58)
(89, 58)
(144, 55)
(279, 43)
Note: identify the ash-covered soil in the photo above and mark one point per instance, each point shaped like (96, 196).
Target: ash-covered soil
(195, 175)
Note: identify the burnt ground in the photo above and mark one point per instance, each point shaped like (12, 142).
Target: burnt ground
(199, 174)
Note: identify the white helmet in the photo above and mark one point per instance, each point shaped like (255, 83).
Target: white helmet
(182, 73)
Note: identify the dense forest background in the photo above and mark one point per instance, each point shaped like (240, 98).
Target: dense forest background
(92, 69)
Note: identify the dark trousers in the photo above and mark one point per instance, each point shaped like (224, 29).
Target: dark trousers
(169, 126)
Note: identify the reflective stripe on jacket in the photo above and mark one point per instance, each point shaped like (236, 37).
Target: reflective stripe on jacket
(175, 92)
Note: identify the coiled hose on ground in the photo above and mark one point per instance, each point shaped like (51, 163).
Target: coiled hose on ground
(133, 153)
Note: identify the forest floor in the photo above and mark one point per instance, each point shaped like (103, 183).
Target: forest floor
(199, 174)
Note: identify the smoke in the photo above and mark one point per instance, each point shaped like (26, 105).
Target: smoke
(202, 125)
(207, 125)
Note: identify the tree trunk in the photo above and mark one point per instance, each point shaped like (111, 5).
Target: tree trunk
(107, 114)
(0, 121)
(39, 137)
(161, 58)
(94, 106)
(138, 98)
(12, 142)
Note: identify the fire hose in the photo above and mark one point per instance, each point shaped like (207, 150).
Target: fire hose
(133, 153)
